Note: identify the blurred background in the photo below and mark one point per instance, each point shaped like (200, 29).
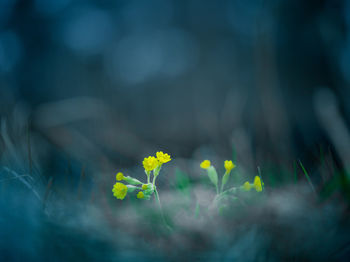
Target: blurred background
(119, 79)
(88, 88)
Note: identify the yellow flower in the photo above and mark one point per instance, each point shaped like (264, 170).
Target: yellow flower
(144, 186)
(119, 190)
(205, 164)
(140, 195)
(229, 165)
(150, 163)
(257, 184)
(247, 186)
(119, 176)
(163, 157)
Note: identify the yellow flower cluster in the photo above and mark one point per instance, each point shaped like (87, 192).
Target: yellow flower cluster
(146, 190)
(229, 165)
(205, 164)
(119, 190)
(140, 195)
(257, 185)
(213, 176)
(120, 176)
(150, 163)
(247, 186)
(163, 157)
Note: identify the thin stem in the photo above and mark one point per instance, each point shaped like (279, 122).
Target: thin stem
(160, 208)
(154, 180)
(156, 173)
(224, 181)
(158, 200)
(232, 190)
(148, 173)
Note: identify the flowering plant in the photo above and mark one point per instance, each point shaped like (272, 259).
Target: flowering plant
(230, 193)
(152, 165)
(229, 165)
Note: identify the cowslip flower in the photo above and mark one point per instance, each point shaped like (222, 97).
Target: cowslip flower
(148, 189)
(150, 163)
(119, 176)
(229, 165)
(163, 157)
(257, 184)
(205, 164)
(212, 174)
(119, 190)
(247, 186)
(140, 195)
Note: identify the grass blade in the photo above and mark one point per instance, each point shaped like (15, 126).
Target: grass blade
(307, 176)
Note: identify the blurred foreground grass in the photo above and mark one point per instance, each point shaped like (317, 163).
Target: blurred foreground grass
(302, 213)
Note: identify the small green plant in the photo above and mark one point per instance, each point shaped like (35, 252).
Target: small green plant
(258, 185)
(152, 166)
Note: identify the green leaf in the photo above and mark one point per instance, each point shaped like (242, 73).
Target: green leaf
(132, 188)
(213, 175)
(225, 179)
(132, 181)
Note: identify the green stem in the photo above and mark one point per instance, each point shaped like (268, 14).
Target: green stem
(232, 190)
(229, 192)
(154, 181)
(224, 180)
(158, 200)
(160, 208)
(148, 173)
(156, 173)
